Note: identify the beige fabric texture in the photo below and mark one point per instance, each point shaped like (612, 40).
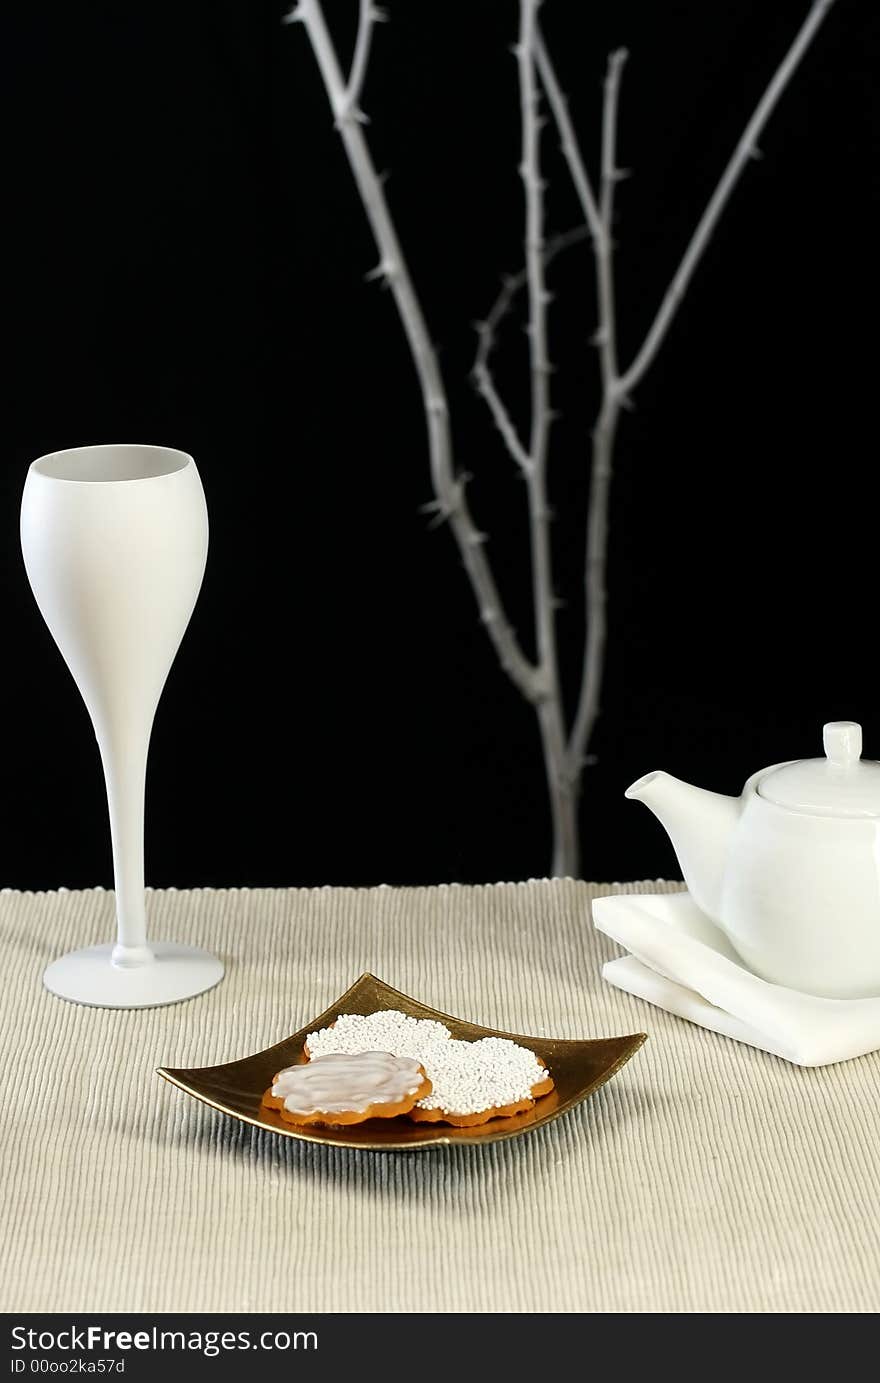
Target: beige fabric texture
(706, 1177)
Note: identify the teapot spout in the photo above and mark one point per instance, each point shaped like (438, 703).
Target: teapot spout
(699, 824)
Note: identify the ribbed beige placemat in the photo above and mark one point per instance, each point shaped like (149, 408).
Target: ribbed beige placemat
(705, 1177)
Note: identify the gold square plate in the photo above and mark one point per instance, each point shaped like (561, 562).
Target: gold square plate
(578, 1068)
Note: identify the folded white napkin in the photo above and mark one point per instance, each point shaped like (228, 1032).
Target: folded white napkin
(682, 962)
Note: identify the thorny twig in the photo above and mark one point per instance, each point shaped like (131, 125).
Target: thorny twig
(538, 682)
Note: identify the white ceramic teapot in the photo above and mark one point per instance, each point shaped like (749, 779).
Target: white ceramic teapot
(790, 870)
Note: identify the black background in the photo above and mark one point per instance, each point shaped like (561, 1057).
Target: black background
(187, 267)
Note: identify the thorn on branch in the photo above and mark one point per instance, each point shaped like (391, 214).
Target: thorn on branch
(441, 516)
(377, 16)
(386, 270)
(599, 337)
(294, 16)
(444, 507)
(755, 152)
(350, 115)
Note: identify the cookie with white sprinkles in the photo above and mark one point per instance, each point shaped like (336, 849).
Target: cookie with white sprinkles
(473, 1082)
(387, 1030)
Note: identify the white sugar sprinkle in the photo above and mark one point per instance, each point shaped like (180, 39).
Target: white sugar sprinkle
(467, 1077)
(473, 1076)
(389, 1030)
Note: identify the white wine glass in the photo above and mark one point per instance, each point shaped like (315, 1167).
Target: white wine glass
(115, 540)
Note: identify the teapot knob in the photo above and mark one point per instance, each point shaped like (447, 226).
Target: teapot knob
(843, 742)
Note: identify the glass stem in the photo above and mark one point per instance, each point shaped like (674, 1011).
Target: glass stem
(125, 771)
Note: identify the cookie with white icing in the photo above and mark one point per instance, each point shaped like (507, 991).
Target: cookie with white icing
(348, 1088)
(472, 1082)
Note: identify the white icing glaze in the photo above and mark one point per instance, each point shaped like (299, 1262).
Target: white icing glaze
(341, 1081)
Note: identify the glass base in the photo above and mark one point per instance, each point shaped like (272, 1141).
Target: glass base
(175, 973)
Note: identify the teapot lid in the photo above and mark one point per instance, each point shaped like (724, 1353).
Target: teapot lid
(841, 784)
